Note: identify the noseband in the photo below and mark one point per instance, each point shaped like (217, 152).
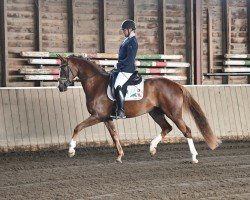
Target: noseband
(69, 72)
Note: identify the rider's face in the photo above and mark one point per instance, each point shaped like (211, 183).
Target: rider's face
(125, 32)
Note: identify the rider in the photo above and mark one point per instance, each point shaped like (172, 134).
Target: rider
(125, 65)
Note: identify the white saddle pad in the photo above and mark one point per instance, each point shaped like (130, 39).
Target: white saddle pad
(134, 92)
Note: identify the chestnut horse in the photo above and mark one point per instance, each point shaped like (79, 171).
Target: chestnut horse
(161, 97)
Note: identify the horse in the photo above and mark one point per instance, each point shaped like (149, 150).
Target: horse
(162, 97)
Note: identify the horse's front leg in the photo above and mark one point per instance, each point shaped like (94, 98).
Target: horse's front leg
(92, 120)
(192, 150)
(114, 134)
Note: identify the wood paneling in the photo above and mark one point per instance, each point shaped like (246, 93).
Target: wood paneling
(3, 131)
(175, 27)
(54, 27)
(116, 13)
(146, 18)
(87, 26)
(229, 33)
(40, 118)
(9, 126)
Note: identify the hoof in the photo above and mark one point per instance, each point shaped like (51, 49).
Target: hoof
(153, 151)
(195, 161)
(71, 152)
(119, 160)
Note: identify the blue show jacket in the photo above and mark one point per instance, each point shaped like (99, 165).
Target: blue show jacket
(127, 53)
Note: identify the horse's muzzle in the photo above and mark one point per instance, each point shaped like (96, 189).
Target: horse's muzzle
(62, 87)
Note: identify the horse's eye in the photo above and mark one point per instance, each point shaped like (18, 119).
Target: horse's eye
(63, 67)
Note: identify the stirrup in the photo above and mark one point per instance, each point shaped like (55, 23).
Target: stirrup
(119, 117)
(113, 116)
(120, 114)
(116, 116)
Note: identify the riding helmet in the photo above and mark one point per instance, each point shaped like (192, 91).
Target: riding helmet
(128, 24)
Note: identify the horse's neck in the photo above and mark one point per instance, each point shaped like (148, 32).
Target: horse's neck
(93, 82)
(93, 79)
(87, 69)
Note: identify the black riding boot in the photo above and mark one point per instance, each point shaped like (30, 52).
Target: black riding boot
(120, 114)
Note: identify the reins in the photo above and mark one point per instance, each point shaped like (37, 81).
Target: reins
(84, 79)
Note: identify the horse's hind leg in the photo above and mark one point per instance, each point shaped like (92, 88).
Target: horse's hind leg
(114, 134)
(177, 119)
(159, 118)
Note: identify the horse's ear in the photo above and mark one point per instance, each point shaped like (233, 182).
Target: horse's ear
(61, 58)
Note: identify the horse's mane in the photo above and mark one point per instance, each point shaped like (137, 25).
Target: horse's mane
(92, 63)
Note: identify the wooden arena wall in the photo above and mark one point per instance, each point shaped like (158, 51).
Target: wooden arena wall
(36, 118)
(163, 26)
(230, 22)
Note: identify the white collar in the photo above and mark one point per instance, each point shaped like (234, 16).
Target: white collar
(132, 34)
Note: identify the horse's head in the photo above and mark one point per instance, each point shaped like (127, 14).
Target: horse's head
(67, 74)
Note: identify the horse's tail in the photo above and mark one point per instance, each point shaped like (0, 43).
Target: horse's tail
(200, 119)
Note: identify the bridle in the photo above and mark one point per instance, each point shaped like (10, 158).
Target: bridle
(68, 73)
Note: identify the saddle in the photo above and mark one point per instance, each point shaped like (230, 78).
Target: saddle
(134, 79)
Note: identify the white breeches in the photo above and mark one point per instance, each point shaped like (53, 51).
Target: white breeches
(122, 78)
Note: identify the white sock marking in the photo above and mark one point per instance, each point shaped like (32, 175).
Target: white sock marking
(192, 149)
(72, 144)
(191, 146)
(155, 141)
